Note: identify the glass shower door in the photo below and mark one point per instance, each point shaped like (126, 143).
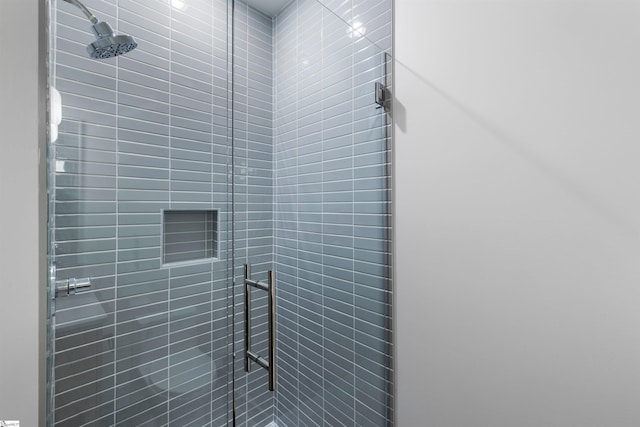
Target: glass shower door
(311, 203)
(139, 218)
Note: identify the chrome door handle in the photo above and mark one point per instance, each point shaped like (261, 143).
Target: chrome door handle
(249, 355)
(72, 286)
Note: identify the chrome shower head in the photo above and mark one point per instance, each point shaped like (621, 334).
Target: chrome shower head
(108, 44)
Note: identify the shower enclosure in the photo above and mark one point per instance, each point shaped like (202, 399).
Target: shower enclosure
(232, 142)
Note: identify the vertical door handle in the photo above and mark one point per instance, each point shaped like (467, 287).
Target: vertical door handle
(249, 355)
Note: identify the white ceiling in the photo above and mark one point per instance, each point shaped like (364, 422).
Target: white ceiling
(269, 7)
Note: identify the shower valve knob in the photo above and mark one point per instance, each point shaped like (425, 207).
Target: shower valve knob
(72, 286)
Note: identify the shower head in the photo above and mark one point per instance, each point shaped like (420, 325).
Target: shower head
(107, 44)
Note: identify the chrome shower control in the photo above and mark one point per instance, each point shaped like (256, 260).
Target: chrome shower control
(72, 286)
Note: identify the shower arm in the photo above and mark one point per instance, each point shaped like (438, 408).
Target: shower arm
(84, 9)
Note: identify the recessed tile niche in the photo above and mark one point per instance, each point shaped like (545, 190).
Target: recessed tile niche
(189, 235)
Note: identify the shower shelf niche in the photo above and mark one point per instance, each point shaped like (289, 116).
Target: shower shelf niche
(189, 236)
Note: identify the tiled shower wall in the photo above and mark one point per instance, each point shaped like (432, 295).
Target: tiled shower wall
(141, 133)
(331, 223)
(372, 17)
(148, 131)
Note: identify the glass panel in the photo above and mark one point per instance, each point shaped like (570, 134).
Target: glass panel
(253, 200)
(311, 202)
(291, 154)
(140, 134)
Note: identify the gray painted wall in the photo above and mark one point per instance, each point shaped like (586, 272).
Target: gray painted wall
(517, 215)
(22, 309)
